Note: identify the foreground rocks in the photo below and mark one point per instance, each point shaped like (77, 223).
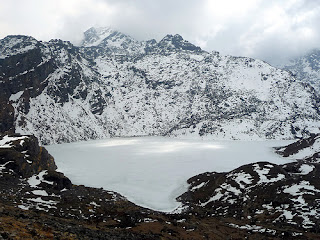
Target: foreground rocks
(264, 197)
(256, 201)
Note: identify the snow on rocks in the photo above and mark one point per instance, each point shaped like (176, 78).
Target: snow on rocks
(287, 194)
(7, 141)
(263, 174)
(254, 228)
(40, 192)
(14, 97)
(36, 180)
(243, 179)
(307, 148)
(301, 188)
(16, 44)
(39, 203)
(306, 67)
(3, 167)
(24, 156)
(198, 186)
(306, 169)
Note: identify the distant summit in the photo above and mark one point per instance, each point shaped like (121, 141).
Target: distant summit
(171, 42)
(94, 36)
(120, 43)
(112, 40)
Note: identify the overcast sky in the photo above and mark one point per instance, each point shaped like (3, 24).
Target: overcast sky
(267, 29)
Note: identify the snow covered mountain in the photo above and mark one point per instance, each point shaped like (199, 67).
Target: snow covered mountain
(306, 68)
(112, 40)
(113, 85)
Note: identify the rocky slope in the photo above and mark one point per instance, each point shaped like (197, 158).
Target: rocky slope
(113, 85)
(306, 68)
(264, 197)
(37, 202)
(304, 149)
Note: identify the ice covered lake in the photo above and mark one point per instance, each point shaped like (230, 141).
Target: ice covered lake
(152, 171)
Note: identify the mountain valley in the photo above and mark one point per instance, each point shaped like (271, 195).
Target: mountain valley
(111, 86)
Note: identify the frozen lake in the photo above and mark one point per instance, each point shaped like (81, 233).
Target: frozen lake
(152, 171)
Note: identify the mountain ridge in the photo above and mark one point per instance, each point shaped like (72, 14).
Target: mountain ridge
(62, 93)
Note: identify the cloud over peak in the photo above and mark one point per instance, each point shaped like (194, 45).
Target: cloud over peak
(267, 29)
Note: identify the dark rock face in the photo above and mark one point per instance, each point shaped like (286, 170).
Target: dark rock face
(7, 117)
(24, 72)
(29, 83)
(25, 157)
(59, 181)
(26, 69)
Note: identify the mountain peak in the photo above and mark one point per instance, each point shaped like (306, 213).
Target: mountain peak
(170, 37)
(122, 44)
(111, 40)
(16, 44)
(94, 36)
(171, 42)
(173, 38)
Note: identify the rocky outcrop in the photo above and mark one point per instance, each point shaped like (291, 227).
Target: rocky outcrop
(307, 148)
(24, 156)
(263, 197)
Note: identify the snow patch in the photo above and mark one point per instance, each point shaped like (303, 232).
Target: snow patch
(306, 169)
(35, 180)
(199, 186)
(296, 189)
(40, 192)
(16, 96)
(264, 171)
(242, 178)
